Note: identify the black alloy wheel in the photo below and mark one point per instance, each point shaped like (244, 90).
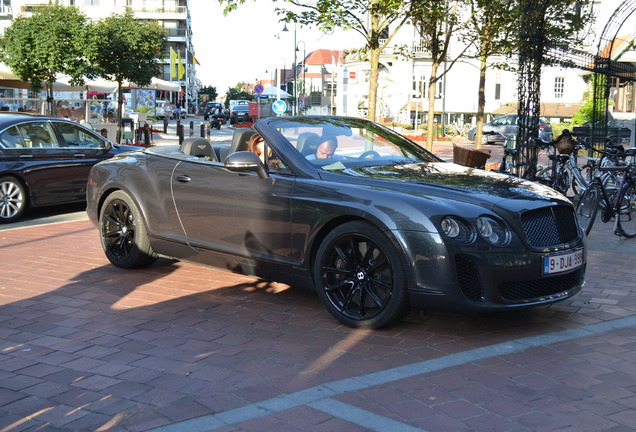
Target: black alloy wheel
(360, 278)
(124, 237)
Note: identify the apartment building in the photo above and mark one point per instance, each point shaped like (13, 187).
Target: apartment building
(173, 15)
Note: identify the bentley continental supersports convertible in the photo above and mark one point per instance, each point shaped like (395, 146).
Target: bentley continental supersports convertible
(371, 221)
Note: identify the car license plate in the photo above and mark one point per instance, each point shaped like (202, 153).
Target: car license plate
(553, 264)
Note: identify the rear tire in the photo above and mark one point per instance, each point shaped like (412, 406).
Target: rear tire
(626, 218)
(123, 233)
(587, 207)
(360, 277)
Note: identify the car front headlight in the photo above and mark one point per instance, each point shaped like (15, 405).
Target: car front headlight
(457, 229)
(493, 231)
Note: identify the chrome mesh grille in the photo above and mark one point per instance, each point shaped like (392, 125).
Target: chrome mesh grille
(550, 226)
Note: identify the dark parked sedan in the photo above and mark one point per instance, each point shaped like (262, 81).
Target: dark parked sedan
(377, 225)
(46, 161)
(240, 114)
(496, 130)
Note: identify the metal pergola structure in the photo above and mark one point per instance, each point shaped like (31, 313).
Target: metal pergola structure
(533, 55)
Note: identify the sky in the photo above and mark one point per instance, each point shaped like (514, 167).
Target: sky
(248, 44)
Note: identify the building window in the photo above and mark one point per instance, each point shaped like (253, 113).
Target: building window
(498, 85)
(559, 85)
(419, 86)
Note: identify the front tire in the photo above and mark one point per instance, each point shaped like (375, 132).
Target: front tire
(587, 207)
(13, 199)
(360, 277)
(123, 233)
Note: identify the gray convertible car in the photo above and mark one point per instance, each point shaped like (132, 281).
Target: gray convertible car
(375, 224)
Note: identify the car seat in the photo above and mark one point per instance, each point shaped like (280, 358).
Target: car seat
(199, 147)
(307, 143)
(240, 139)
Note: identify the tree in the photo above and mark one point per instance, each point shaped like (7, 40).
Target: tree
(498, 27)
(436, 21)
(210, 91)
(489, 26)
(124, 48)
(586, 112)
(376, 20)
(237, 93)
(50, 42)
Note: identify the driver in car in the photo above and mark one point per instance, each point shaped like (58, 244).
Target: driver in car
(326, 149)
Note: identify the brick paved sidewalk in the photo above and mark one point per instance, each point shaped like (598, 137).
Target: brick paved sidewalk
(177, 347)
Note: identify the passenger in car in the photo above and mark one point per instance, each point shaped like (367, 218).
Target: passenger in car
(257, 145)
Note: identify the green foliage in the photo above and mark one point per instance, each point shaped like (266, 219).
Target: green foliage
(376, 20)
(50, 42)
(234, 93)
(122, 48)
(210, 91)
(557, 128)
(145, 109)
(586, 112)
(125, 48)
(238, 87)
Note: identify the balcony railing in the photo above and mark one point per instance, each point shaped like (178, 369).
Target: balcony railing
(417, 49)
(182, 10)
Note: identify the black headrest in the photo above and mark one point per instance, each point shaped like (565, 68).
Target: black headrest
(199, 147)
(240, 139)
(307, 143)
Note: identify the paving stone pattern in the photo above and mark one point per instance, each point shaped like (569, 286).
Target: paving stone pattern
(178, 347)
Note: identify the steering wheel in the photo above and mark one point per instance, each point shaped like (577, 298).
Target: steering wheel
(369, 154)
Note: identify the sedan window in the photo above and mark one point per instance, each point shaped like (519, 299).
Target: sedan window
(37, 134)
(78, 136)
(11, 138)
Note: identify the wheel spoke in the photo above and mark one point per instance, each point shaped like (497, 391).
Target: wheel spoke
(343, 256)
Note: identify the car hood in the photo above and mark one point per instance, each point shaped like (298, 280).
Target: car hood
(449, 181)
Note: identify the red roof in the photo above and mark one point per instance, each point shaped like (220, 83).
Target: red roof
(324, 56)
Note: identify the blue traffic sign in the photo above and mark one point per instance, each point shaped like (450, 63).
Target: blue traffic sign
(258, 89)
(279, 107)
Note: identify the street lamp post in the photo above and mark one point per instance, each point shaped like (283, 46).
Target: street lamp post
(294, 98)
(302, 69)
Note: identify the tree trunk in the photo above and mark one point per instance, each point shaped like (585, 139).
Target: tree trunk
(120, 98)
(481, 102)
(430, 122)
(374, 62)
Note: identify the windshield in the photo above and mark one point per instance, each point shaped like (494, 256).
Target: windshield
(333, 143)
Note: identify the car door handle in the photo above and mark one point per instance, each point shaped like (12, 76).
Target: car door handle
(183, 178)
(79, 155)
(26, 156)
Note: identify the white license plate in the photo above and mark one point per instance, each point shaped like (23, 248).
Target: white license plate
(553, 264)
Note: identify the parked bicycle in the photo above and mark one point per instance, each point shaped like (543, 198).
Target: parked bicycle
(620, 205)
(513, 162)
(612, 155)
(563, 173)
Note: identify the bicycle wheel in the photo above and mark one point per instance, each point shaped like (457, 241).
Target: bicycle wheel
(562, 184)
(626, 220)
(587, 207)
(579, 182)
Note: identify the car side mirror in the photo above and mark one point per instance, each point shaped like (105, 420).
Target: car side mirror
(245, 161)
